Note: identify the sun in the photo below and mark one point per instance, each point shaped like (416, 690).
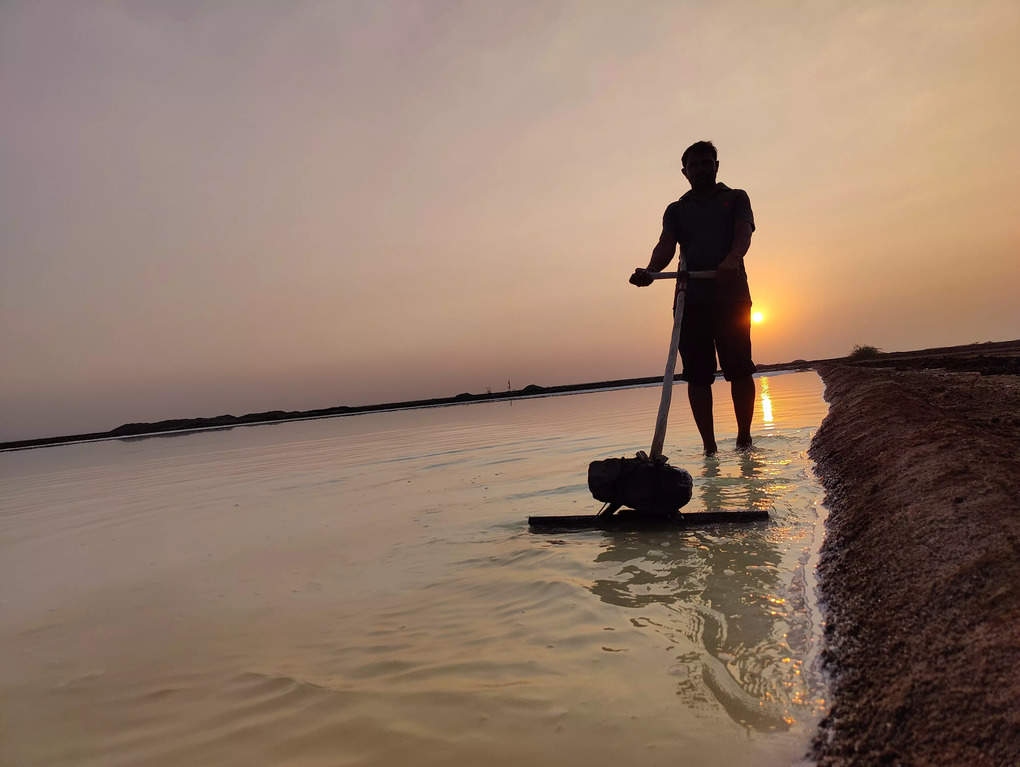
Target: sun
(757, 318)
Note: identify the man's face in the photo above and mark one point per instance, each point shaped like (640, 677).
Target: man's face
(700, 170)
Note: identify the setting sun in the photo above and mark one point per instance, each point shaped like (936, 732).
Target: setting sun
(757, 318)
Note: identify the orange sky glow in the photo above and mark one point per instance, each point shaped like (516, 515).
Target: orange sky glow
(211, 208)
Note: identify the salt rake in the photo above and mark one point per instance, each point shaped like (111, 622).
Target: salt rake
(651, 491)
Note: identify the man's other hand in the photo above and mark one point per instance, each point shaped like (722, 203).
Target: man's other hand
(728, 272)
(641, 278)
(729, 264)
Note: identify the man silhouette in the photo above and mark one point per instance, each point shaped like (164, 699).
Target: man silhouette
(712, 224)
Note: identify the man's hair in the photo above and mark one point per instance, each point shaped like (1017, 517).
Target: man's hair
(699, 147)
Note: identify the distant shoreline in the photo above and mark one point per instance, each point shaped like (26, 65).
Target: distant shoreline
(134, 430)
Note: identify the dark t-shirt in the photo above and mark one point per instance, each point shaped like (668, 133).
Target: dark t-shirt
(703, 227)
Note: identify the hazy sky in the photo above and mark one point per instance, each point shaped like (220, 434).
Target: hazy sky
(239, 206)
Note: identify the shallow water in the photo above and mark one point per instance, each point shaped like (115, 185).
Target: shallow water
(365, 591)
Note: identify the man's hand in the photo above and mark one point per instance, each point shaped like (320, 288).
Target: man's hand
(641, 278)
(729, 264)
(728, 271)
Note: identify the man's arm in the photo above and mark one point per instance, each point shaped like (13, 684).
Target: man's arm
(662, 254)
(741, 242)
(743, 225)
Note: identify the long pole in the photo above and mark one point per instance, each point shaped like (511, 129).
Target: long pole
(667, 378)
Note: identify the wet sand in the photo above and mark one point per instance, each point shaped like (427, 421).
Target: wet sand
(919, 570)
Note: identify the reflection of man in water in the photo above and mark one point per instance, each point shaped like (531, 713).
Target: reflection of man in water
(752, 490)
(712, 224)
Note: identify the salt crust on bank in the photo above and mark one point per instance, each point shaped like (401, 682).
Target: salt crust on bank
(920, 570)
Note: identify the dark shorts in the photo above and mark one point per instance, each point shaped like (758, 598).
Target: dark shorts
(710, 327)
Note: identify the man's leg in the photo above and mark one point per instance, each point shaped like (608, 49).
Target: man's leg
(733, 340)
(743, 391)
(700, 397)
(697, 350)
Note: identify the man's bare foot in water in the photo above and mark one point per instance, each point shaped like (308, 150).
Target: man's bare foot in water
(710, 448)
(744, 443)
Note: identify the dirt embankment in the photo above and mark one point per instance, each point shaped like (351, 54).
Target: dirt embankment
(920, 569)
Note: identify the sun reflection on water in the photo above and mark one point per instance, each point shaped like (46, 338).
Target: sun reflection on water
(766, 404)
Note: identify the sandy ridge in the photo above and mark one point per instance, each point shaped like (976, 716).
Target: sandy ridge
(920, 570)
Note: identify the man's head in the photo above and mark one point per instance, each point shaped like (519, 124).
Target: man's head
(700, 164)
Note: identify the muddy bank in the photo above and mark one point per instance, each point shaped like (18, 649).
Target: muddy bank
(920, 568)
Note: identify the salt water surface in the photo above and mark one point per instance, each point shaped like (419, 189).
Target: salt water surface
(365, 591)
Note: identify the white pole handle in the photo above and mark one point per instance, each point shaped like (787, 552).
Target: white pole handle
(667, 377)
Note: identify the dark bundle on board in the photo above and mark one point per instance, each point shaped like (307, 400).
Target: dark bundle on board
(640, 483)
